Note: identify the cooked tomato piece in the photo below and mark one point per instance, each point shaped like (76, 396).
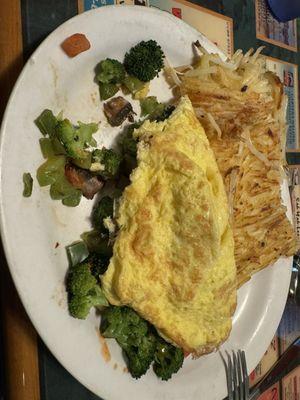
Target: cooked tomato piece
(75, 44)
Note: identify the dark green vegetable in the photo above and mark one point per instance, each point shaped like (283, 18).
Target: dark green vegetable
(75, 139)
(129, 149)
(107, 161)
(165, 114)
(79, 306)
(28, 182)
(129, 145)
(49, 171)
(133, 84)
(128, 142)
(140, 355)
(121, 184)
(110, 71)
(52, 172)
(80, 279)
(99, 264)
(46, 123)
(51, 147)
(84, 163)
(72, 200)
(61, 189)
(154, 110)
(107, 90)
(144, 60)
(58, 147)
(97, 243)
(134, 336)
(47, 147)
(168, 359)
(84, 291)
(140, 343)
(65, 139)
(104, 208)
(150, 106)
(128, 165)
(77, 252)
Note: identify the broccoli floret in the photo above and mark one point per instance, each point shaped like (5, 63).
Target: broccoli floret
(144, 60)
(156, 111)
(103, 209)
(84, 291)
(140, 355)
(150, 106)
(106, 163)
(128, 142)
(129, 149)
(134, 336)
(168, 359)
(107, 90)
(80, 279)
(165, 114)
(129, 145)
(140, 343)
(121, 323)
(65, 137)
(99, 264)
(75, 139)
(110, 71)
(79, 306)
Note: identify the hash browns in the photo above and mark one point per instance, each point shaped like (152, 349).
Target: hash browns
(242, 108)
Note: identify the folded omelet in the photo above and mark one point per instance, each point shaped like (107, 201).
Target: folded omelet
(173, 258)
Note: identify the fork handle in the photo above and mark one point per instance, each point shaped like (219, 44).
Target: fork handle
(286, 363)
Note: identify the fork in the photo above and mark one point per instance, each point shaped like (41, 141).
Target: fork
(294, 291)
(236, 375)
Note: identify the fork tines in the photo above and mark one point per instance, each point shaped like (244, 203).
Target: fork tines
(236, 375)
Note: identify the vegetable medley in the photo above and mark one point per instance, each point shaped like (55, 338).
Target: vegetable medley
(74, 166)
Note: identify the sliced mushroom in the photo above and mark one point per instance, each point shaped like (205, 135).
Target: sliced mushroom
(117, 110)
(81, 179)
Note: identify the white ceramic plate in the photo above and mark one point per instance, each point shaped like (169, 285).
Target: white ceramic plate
(32, 227)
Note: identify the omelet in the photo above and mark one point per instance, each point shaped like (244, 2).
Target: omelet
(173, 259)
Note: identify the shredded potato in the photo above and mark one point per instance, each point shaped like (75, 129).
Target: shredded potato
(172, 73)
(242, 108)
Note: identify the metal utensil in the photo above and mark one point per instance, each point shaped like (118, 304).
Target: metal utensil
(238, 381)
(294, 291)
(236, 375)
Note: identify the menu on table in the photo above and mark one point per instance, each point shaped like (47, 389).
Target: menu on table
(283, 34)
(288, 74)
(217, 27)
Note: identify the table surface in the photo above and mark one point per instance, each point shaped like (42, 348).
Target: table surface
(23, 25)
